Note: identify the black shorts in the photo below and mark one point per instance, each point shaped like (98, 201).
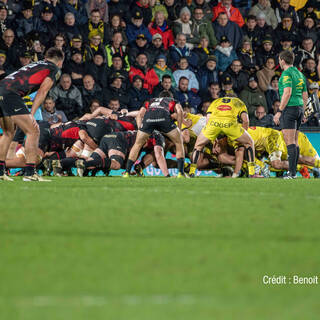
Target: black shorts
(158, 119)
(113, 141)
(291, 117)
(96, 129)
(11, 104)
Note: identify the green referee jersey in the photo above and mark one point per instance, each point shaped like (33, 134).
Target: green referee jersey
(294, 79)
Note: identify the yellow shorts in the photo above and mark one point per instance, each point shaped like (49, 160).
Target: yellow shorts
(215, 127)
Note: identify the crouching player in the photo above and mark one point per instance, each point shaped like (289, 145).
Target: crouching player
(156, 115)
(222, 118)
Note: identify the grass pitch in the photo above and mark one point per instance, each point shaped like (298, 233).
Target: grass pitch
(156, 248)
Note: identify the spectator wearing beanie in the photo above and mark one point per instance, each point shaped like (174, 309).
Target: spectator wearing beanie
(264, 6)
(207, 74)
(225, 54)
(143, 6)
(161, 68)
(263, 29)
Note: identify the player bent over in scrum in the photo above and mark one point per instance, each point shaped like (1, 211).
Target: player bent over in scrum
(156, 115)
(222, 118)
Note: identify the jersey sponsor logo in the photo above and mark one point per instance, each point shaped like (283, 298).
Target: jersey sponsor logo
(16, 110)
(224, 107)
(155, 120)
(221, 124)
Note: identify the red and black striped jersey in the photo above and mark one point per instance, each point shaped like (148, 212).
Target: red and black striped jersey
(28, 79)
(166, 103)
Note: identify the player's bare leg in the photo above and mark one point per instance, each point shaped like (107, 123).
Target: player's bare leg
(161, 160)
(246, 140)
(8, 128)
(201, 142)
(141, 139)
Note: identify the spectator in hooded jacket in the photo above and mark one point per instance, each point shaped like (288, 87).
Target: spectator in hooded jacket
(160, 26)
(184, 71)
(225, 54)
(232, 12)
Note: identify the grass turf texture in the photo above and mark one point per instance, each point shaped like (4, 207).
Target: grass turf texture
(157, 248)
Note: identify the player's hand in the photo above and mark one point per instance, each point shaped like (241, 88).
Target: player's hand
(276, 118)
(304, 119)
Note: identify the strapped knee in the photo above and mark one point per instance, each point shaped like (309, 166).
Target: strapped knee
(119, 159)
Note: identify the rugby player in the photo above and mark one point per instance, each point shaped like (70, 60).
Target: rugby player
(222, 118)
(156, 115)
(38, 76)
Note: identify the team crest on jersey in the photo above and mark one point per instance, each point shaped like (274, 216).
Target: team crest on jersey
(224, 107)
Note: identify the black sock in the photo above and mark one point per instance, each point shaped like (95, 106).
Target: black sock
(142, 165)
(2, 167)
(129, 165)
(292, 158)
(180, 163)
(68, 163)
(58, 156)
(298, 153)
(30, 169)
(97, 163)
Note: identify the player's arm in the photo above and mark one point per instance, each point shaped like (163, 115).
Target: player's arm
(179, 111)
(244, 120)
(41, 94)
(140, 116)
(285, 98)
(84, 137)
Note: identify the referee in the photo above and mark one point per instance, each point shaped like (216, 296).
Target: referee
(293, 96)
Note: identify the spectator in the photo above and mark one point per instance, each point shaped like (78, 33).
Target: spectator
(102, 6)
(232, 12)
(136, 27)
(311, 70)
(207, 74)
(165, 85)
(95, 23)
(75, 67)
(67, 97)
(204, 6)
(287, 41)
(98, 69)
(156, 48)
(253, 97)
(161, 68)
(48, 25)
(184, 71)
(173, 8)
(117, 47)
(10, 47)
(137, 94)
(261, 119)
(78, 10)
(5, 68)
(117, 66)
(27, 22)
(203, 51)
(69, 26)
(118, 7)
(275, 106)
(24, 58)
(286, 9)
(266, 51)
(76, 43)
(50, 114)
(238, 76)
(308, 29)
(149, 76)
(160, 26)
(116, 90)
(89, 92)
(213, 92)
(143, 6)
(313, 112)
(5, 23)
(225, 54)
(264, 6)
(310, 9)
(250, 30)
(272, 94)
(286, 27)
(266, 74)
(186, 26)
(223, 27)
(180, 50)
(263, 29)
(140, 46)
(247, 56)
(204, 27)
(227, 86)
(306, 51)
(156, 6)
(115, 26)
(94, 45)
(60, 43)
(186, 96)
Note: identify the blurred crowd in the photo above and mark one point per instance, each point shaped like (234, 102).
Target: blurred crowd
(118, 53)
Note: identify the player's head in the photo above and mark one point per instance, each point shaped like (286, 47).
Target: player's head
(165, 94)
(55, 55)
(286, 58)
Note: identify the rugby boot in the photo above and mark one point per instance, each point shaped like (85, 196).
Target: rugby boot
(56, 167)
(138, 170)
(80, 167)
(126, 175)
(6, 178)
(35, 177)
(47, 167)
